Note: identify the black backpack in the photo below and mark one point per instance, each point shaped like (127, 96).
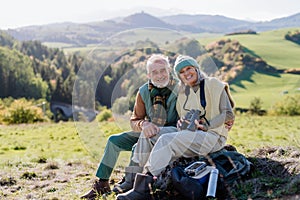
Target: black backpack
(189, 188)
(232, 165)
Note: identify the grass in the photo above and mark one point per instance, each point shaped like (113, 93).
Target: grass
(278, 52)
(67, 141)
(55, 162)
(270, 89)
(159, 35)
(252, 132)
(132, 39)
(270, 46)
(58, 44)
(39, 140)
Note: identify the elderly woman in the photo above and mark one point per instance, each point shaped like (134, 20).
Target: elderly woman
(211, 98)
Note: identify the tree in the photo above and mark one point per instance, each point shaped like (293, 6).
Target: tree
(17, 76)
(255, 106)
(193, 49)
(6, 40)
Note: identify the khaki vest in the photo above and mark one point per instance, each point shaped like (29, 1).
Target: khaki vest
(213, 90)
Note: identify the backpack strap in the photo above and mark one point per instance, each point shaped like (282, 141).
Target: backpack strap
(202, 94)
(203, 101)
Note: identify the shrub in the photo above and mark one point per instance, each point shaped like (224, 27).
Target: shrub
(255, 106)
(121, 105)
(6, 102)
(104, 115)
(290, 105)
(21, 111)
(293, 36)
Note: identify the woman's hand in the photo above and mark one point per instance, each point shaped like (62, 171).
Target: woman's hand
(229, 124)
(149, 129)
(201, 125)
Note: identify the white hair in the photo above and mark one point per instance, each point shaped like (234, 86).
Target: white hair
(157, 59)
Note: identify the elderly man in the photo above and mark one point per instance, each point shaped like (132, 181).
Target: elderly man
(154, 112)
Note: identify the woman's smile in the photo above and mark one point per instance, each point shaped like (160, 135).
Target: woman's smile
(189, 75)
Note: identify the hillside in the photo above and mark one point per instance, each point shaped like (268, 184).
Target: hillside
(273, 48)
(209, 23)
(29, 69)
(285, 22)
(76, 34)
(270, 46)
(144, 19)
(88, 33)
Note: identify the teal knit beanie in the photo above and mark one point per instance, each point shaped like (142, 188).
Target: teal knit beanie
(183, 61)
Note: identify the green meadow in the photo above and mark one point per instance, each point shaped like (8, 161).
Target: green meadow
(269, 88)
(58, 161)
(270, 46)
(70, 140)
(278, 52)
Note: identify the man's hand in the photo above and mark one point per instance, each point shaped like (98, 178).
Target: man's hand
(179, 123)
(149, 129)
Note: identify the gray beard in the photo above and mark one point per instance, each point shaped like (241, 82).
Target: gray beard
(160, 85)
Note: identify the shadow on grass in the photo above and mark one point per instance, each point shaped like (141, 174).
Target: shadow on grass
(252, 53)
(246, 75)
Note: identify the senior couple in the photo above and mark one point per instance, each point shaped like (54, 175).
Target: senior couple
(156, 139)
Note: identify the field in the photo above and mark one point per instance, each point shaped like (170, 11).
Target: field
(270, 89)
(58, 161)
(278, 52)
(270, 46)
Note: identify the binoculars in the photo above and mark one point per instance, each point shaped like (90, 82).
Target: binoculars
(189, 120)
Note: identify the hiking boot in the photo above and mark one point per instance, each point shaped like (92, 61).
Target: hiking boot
(121, 181)
(142, 188)
(130, 173)
(99, 187)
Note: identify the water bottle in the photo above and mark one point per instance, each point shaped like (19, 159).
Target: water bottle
(212, 183)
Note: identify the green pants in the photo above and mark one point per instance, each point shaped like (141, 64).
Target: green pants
(115, 144)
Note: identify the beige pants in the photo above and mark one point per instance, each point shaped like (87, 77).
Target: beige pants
(144, 145)
(185, 143)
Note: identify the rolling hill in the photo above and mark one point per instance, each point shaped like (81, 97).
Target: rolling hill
(278, 52)
(208, 23)
(76, 34)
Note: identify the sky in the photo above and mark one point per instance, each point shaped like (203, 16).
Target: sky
(18, 13)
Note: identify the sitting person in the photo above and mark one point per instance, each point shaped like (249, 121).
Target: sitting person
(197, 92)
(155, 107)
